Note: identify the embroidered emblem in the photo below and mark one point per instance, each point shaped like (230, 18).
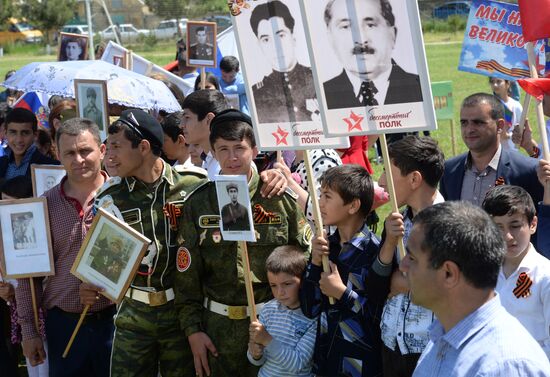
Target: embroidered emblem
(172, 212)
(523, 284)
(183, 259)
(209, 221)
(261, 216)
(216, 236)
(202, 237)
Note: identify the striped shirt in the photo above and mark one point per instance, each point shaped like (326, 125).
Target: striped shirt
(290, 352)
(69, 223)
(488, 342)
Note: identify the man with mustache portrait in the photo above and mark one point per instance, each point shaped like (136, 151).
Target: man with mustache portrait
(363, 34)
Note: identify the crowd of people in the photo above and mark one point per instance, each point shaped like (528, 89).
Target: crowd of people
(470, 297)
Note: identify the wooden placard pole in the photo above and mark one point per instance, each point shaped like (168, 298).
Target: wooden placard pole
(80, 320)
(534, 74)
(316, 211)
(34, 306)
(241, 245)
(453, 137)
(203, 78)
(389, 181)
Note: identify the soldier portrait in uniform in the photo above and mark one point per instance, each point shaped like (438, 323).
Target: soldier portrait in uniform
(234, 214)
(234, 204)
(201, 44)
(91, 99)
(287, 94)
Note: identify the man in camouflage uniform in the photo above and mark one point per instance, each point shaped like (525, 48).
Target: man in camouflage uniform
(210, 285)
(148, 195)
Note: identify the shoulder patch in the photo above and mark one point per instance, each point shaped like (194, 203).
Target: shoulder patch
(183, 259)
(108, 204)
(200, 172)
(113, 181)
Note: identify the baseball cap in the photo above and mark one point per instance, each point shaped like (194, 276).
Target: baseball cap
(144, 125)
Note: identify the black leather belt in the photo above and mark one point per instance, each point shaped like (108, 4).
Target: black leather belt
(103, 315)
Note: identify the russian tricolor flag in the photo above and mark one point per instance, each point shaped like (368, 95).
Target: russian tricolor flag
(34, 102)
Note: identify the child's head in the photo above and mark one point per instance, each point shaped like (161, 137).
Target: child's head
(500, 86)
(211, 82)
(512, 209)
(346, 191)
(232, 142)
(229, 65)
(285, 266)
(414, 160)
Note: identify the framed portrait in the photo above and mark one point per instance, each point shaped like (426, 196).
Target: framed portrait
(119, 60)
(44, 177)
(235, 212)
(371, 77)
(72, 47)
(91, 103)
(201, 44)
(276, 67)
(110, 255)
(25, 239)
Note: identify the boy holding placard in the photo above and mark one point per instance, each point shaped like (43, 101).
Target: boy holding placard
(211, 284)
(348, 339)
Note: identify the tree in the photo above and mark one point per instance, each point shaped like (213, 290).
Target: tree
(7, 10)
(169, 9)
(49, 14)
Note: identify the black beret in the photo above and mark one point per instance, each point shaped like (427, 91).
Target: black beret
(144, 124)
(230, 115)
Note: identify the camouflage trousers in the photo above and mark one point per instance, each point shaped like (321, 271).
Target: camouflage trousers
(230, 336)
(148, 340)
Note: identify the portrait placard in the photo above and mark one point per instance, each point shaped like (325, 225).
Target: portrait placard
(235, 213)
(44, 177)
(143, 66)
(25, 239)
(369, 66)
(110, 255)
(91, 103)
(201, 44)
(72, 47)
(119, 60)
(276, 67)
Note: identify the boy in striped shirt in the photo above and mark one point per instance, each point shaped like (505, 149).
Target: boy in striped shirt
(283, 339)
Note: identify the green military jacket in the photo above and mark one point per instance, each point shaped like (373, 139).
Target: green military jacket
(155, 212)
(214, 267)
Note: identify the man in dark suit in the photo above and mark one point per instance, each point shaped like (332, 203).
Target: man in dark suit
(21, 129)
(470, 175)
(363, 36)
(201, 50)
(287, 94)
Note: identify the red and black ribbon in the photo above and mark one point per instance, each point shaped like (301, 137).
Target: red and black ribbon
(523, 284)
(172, 211)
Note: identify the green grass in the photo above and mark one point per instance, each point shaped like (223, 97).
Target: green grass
(442, 50)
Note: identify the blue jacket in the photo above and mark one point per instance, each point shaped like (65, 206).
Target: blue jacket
(515, 168)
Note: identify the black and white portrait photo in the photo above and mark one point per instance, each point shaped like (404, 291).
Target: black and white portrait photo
(363, 34)
(277, 70)
(91, 99)
(72, 47)
(110, 254)
(201, 44)
(23, 230)
(370, 65)
(45, 177)
(235, 212)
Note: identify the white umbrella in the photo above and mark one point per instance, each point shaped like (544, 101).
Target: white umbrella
(124, 87)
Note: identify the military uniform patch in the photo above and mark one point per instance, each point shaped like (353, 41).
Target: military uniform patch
(209, 221)
(308, 234)
(108, 204)
(261, 216)
(202, 237)
(183, 259)
(216, 236)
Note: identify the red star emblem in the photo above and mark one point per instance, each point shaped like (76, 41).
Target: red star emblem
(354, 122)
(280, 136)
